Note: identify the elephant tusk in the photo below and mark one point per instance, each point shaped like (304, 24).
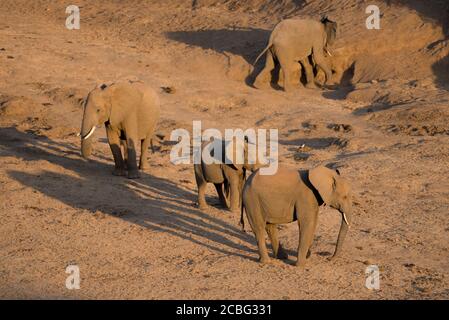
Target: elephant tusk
(89, 133)
(328, 52)
(346, 220)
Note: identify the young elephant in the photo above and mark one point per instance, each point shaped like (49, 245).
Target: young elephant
(293, 41)
(228, 178)
(291, 195)
(130, 112)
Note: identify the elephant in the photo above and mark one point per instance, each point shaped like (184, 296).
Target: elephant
(293, 41)
(129, 111)
(292, 195)
(228, 177)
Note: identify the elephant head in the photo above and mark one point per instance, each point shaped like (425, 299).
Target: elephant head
(330, 27)
(241, 155)
(97, 109)
(335, 192)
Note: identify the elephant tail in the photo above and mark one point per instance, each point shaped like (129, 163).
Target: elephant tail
(242, 220)
(152, 146)
(242, 206)
(262, 53)
(227, 190)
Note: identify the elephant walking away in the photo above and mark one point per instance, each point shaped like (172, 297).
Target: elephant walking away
(292, 41)
(130, 112)
(292, 195)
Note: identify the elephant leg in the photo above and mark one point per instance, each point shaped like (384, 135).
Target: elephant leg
(153, 150)
(235, 195)
(241, 185)
(308, 252)
(124, 152)
(114, 143)
(133, 171)
(322, 63)
(263, 79)
(202, 195)
(227, 192)
(261, 244)
(307, 225)
(257, 223)
(278, 251)
(144, 165)
(308, 70)
(287, 69)
(295, 75)
(219, 188)
(202, 184)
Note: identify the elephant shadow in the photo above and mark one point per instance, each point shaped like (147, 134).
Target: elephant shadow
(314, 143)
(152, 202)
(244, 42)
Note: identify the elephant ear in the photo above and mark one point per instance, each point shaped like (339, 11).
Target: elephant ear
(330, 28)
(323, 179)
(122, 99)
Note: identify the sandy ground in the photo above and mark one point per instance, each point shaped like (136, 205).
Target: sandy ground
(386, 127)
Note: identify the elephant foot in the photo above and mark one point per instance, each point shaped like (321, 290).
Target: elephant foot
(202, 206)
(282, 255)
(264, 260)
(289, 89)
(234, 210)
(119, 172)
(301, 264)
(261, 84)
(134, 174)
(311, 86)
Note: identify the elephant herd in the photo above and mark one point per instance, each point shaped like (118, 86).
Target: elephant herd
(130, 112)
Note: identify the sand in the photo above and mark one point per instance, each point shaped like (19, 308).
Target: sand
(384, 126)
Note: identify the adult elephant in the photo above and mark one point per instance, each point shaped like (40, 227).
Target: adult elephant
(291, 195)
(129, 111)
(293, 41)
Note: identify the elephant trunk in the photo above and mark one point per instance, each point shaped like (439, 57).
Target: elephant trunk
(86, 147)
(86, 139)
(346, 217)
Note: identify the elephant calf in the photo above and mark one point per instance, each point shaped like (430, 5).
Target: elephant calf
(291, 195)
(130, 112)
(228, 178)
